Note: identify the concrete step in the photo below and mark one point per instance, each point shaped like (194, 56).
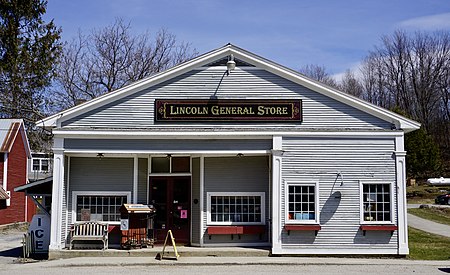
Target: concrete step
(183, 251)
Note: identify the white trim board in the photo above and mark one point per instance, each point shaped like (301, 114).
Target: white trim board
(231, 134)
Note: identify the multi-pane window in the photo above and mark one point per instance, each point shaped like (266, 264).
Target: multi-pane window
(376, 200)
(236, 208)
(44, 164)
(36, 164)
(302, 202)
(99, 207)
(40, 165)
(170, 164)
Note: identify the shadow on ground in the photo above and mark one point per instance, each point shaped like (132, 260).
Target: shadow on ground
(12, 252)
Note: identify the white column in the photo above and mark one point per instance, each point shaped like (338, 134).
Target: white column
(57, 195)
(135, 178)
(5, 171)
(202, 184)
(402, 221)
(276, 194)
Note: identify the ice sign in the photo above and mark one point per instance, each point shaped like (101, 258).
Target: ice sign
(40, 228)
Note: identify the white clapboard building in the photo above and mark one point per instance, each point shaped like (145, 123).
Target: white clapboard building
(233, 149)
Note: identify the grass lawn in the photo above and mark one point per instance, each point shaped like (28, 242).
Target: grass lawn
(440, 215)
(426, 246)
(424, 194)
(420, 201)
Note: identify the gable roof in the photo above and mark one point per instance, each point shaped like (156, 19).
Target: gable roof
(243, 56)
(9, 129)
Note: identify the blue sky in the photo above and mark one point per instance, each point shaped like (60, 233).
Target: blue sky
(336, 34)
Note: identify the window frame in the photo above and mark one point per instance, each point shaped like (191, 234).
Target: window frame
(316, 198)
(361, 204)
(262, 195)
(75, 194)
(170, 173)
(40, 165)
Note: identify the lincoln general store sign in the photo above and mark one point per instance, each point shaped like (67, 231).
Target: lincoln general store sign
(228, 110)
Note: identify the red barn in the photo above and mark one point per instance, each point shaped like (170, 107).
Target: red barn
(14, 155)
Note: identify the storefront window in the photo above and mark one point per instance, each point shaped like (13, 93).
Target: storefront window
(99, 207)
(302, 199)
(376, 202)
(235, 208)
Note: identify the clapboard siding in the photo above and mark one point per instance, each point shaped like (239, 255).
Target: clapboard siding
(320, 160)
(233, 174)
(195, 213)
(164, 145)
(137, 110)
(107, 174)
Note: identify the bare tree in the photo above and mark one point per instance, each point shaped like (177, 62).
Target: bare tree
(350, 84)
(410, 73)
(112, 57)
(319, 73)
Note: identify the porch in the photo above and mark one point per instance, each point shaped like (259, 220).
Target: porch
(184, 251)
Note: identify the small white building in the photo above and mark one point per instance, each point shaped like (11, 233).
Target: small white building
(256, 155)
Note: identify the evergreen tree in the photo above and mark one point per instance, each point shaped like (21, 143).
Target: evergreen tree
(29, 48)
(423, 157)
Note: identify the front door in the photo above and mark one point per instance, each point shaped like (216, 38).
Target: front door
(171, 198)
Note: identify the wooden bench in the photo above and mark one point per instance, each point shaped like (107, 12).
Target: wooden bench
(374, 227)
(90, 231)
(236, 230)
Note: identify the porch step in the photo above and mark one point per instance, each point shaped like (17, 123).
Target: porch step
(151, 252)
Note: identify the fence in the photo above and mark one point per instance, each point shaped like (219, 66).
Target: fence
(28, 248)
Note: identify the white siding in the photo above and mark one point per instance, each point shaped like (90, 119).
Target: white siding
(233, 174)
(137, 110)
(92, 174)
(321, 160)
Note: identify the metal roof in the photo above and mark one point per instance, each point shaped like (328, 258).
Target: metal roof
(40, 187)
(9, 129)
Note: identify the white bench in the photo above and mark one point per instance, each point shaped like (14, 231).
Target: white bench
(90, 231)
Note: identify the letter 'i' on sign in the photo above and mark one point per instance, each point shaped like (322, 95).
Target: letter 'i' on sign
(40, 229)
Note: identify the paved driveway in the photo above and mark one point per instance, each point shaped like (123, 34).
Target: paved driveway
(427, 225)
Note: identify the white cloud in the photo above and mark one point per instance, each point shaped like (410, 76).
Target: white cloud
(355, 68)
(432, 22)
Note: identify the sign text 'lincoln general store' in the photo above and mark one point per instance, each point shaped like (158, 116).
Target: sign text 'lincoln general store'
(229, 110)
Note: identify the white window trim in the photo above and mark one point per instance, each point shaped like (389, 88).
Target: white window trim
(170, 173)
(96, 193)
(316, 198)
(361, 203)
(263, 207)
(40, 165)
